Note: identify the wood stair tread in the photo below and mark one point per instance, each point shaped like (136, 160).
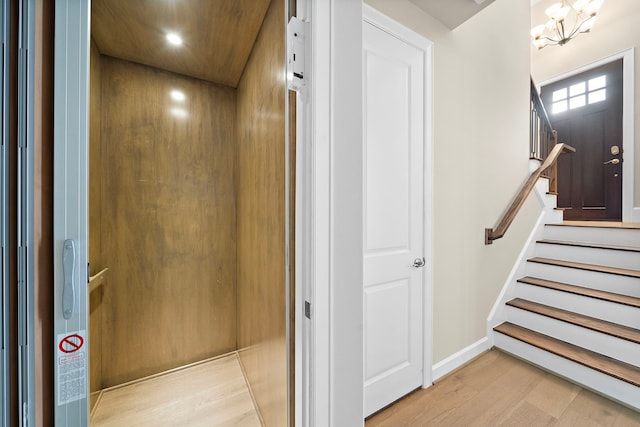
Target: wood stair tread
(579, 290)
(597, 224)
(607, 365)
(588, 267)
(590, 245)
(597, 325)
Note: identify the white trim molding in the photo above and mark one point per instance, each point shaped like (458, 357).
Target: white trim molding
(329, 214)
(458, 359)
(630, 213)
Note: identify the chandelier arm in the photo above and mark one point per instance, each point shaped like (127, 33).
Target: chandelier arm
(573, 33)
(577, 27)
(585, 21)
(560, 30)
(553, 41)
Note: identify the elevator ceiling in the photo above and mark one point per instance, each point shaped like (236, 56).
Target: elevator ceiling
(217, 35)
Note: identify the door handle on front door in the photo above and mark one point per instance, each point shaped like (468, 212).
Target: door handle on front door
(612, 161)
(418, 262)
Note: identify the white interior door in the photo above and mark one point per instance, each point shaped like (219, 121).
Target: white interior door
(70, 216)
(394, 250)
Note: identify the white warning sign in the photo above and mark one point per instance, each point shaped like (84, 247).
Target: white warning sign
(71, 366)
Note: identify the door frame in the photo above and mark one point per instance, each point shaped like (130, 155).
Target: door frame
(25, 212)
(5, 347)
(629, 212)
(329, 214)
(70, 195)
(399, 31)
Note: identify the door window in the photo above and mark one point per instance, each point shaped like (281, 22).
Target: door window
(579, 94)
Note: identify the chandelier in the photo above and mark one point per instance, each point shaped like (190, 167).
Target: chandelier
(566, 21)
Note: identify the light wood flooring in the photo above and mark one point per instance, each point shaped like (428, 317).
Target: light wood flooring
(212, 393)
(497, 389)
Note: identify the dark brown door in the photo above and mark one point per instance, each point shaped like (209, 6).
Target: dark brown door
(586, 111)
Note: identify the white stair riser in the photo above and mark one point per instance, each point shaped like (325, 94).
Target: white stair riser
(616, 348)
(596, 256)
(555, 217)
(542, 185)
(621, 391)
(589, 279)
(604, 310)
(604, 235)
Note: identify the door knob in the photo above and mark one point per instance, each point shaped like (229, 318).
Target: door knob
(418, 262)
(612, 161)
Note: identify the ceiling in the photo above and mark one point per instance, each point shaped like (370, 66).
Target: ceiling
(452, 12)
(218, 35)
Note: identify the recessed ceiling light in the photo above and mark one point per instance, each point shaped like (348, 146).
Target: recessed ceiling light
(177, 95)
(174, 39)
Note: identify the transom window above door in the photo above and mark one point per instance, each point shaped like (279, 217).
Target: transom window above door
(579, 94)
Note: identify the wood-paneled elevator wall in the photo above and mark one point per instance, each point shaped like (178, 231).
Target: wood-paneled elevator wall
(162, 219)
(261, 219)
(187, 210)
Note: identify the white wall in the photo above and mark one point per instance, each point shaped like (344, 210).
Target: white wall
(617, 28)
(481, 119)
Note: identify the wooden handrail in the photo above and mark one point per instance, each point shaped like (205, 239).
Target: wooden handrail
(492, 234)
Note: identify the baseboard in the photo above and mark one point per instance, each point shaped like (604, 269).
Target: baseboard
(458, 359)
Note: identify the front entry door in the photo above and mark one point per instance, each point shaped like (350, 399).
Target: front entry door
(586, 111)
(393, 216)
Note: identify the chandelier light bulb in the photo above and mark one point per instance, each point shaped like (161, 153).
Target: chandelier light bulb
(551, 10)
(561, 13)
(593, 7)
(580, 5)
(537, 31)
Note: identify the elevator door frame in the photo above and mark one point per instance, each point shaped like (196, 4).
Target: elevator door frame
(70, 194)
(70, 211)
(5, 349)
(26, 372)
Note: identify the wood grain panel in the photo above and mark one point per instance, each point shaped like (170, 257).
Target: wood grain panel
(261, 196)
(168, 221)
(218, 35)
(95, 209)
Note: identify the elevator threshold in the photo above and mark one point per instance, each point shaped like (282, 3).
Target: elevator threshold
(209, 393)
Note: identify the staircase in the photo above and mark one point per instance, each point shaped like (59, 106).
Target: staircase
(576, 309)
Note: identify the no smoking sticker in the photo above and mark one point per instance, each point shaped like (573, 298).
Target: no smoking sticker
(71, 343)
(71, 369)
